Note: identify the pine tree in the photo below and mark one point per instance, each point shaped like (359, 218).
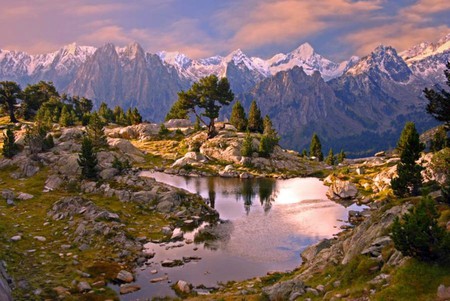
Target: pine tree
(341, 156)
(304, 153)
(105, 113)
(238, 118)
(135, 117)
(419, 235)
(9, 93)
(439, 102)
(409, 179)
(247, 145)
(87, 160)
(269, 138)
(10, 147)
(65, 118)
(95, 131)
(315, 149)
(330, 160)
(255, 121)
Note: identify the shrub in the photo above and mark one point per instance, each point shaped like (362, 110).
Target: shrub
(10, 148)
(121, 166)
(419, 235)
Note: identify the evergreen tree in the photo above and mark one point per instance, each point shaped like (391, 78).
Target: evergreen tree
(330, 160)
(419, 235)
(105, 113)
(238, 118)
(34, 96)
(269, 138)
(10, 148)
(65, 119)
(265, 148)
(439, 102)
(177, 111)
(119, 116)
(9, 93)
(409, 178)
(255, 121)
(95, 131)
(247, 145)
(87, 160)
(163, 130)
(341, 156)
(304, 153)
(315, 149)
(136, 117)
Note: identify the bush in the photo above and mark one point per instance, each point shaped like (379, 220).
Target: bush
(10, 148)
(419, 235)
(121, 166)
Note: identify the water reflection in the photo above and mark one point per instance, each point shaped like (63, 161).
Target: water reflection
(270, 223)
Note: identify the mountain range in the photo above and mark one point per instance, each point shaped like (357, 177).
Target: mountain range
(360, 104)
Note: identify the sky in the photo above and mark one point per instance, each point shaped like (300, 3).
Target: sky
(336, 29)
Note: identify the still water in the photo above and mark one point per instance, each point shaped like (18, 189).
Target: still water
(271, 223)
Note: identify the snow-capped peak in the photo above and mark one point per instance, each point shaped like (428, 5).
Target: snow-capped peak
(426, 49)
(174, 58)
(304, 51)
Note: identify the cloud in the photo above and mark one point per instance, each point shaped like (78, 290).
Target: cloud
(410, 26)
(278, 22)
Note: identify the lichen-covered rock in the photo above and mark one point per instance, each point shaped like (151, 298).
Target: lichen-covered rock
(286, 290)
(342, 190)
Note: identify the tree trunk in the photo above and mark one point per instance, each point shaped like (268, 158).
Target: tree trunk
(211, 129)
(11, 113)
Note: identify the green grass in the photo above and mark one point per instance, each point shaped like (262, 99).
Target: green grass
(415, 281)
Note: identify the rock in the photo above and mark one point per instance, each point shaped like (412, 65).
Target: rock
(189, 158)
(61, 291)
(40, 238)
(230, 127)
(310, 252)
(125, 276)
(83, 286)
(53, 182)
(337, 283)
(183, 286)
(171, 263)
(16, 238)
(159, 279)
(286, 290)
(245, 175)
(176, 236)
(8, 194)
(443, 292)
(154, 272)
(99, 283)
(5, 289)
(342, 190)
(312, 291)
(320, 288)
(29, 168)
(127, 148)
(380, 154)
(71, 133)
(24, 196)
(108, 173)
(10, 202)
(178, 123)
(380, 279)
(166, 230)
(129, 288)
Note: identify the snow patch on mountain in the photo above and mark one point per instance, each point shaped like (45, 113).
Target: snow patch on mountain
(426, 49)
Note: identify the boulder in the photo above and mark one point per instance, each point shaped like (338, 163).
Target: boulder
(286, 290)
(71, 133)
(24, 196)
(108, 173)
(342, 190)
(443, 292)
(5, 290)
(129, 288)
(189, 158)
(383, 180)
(53, 182)
(127, 148)
(125, 276)
(178, 123)
(8, 194)
(83, 286)
(183, 286)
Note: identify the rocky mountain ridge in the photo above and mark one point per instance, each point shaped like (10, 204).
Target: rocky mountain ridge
(369, 98)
